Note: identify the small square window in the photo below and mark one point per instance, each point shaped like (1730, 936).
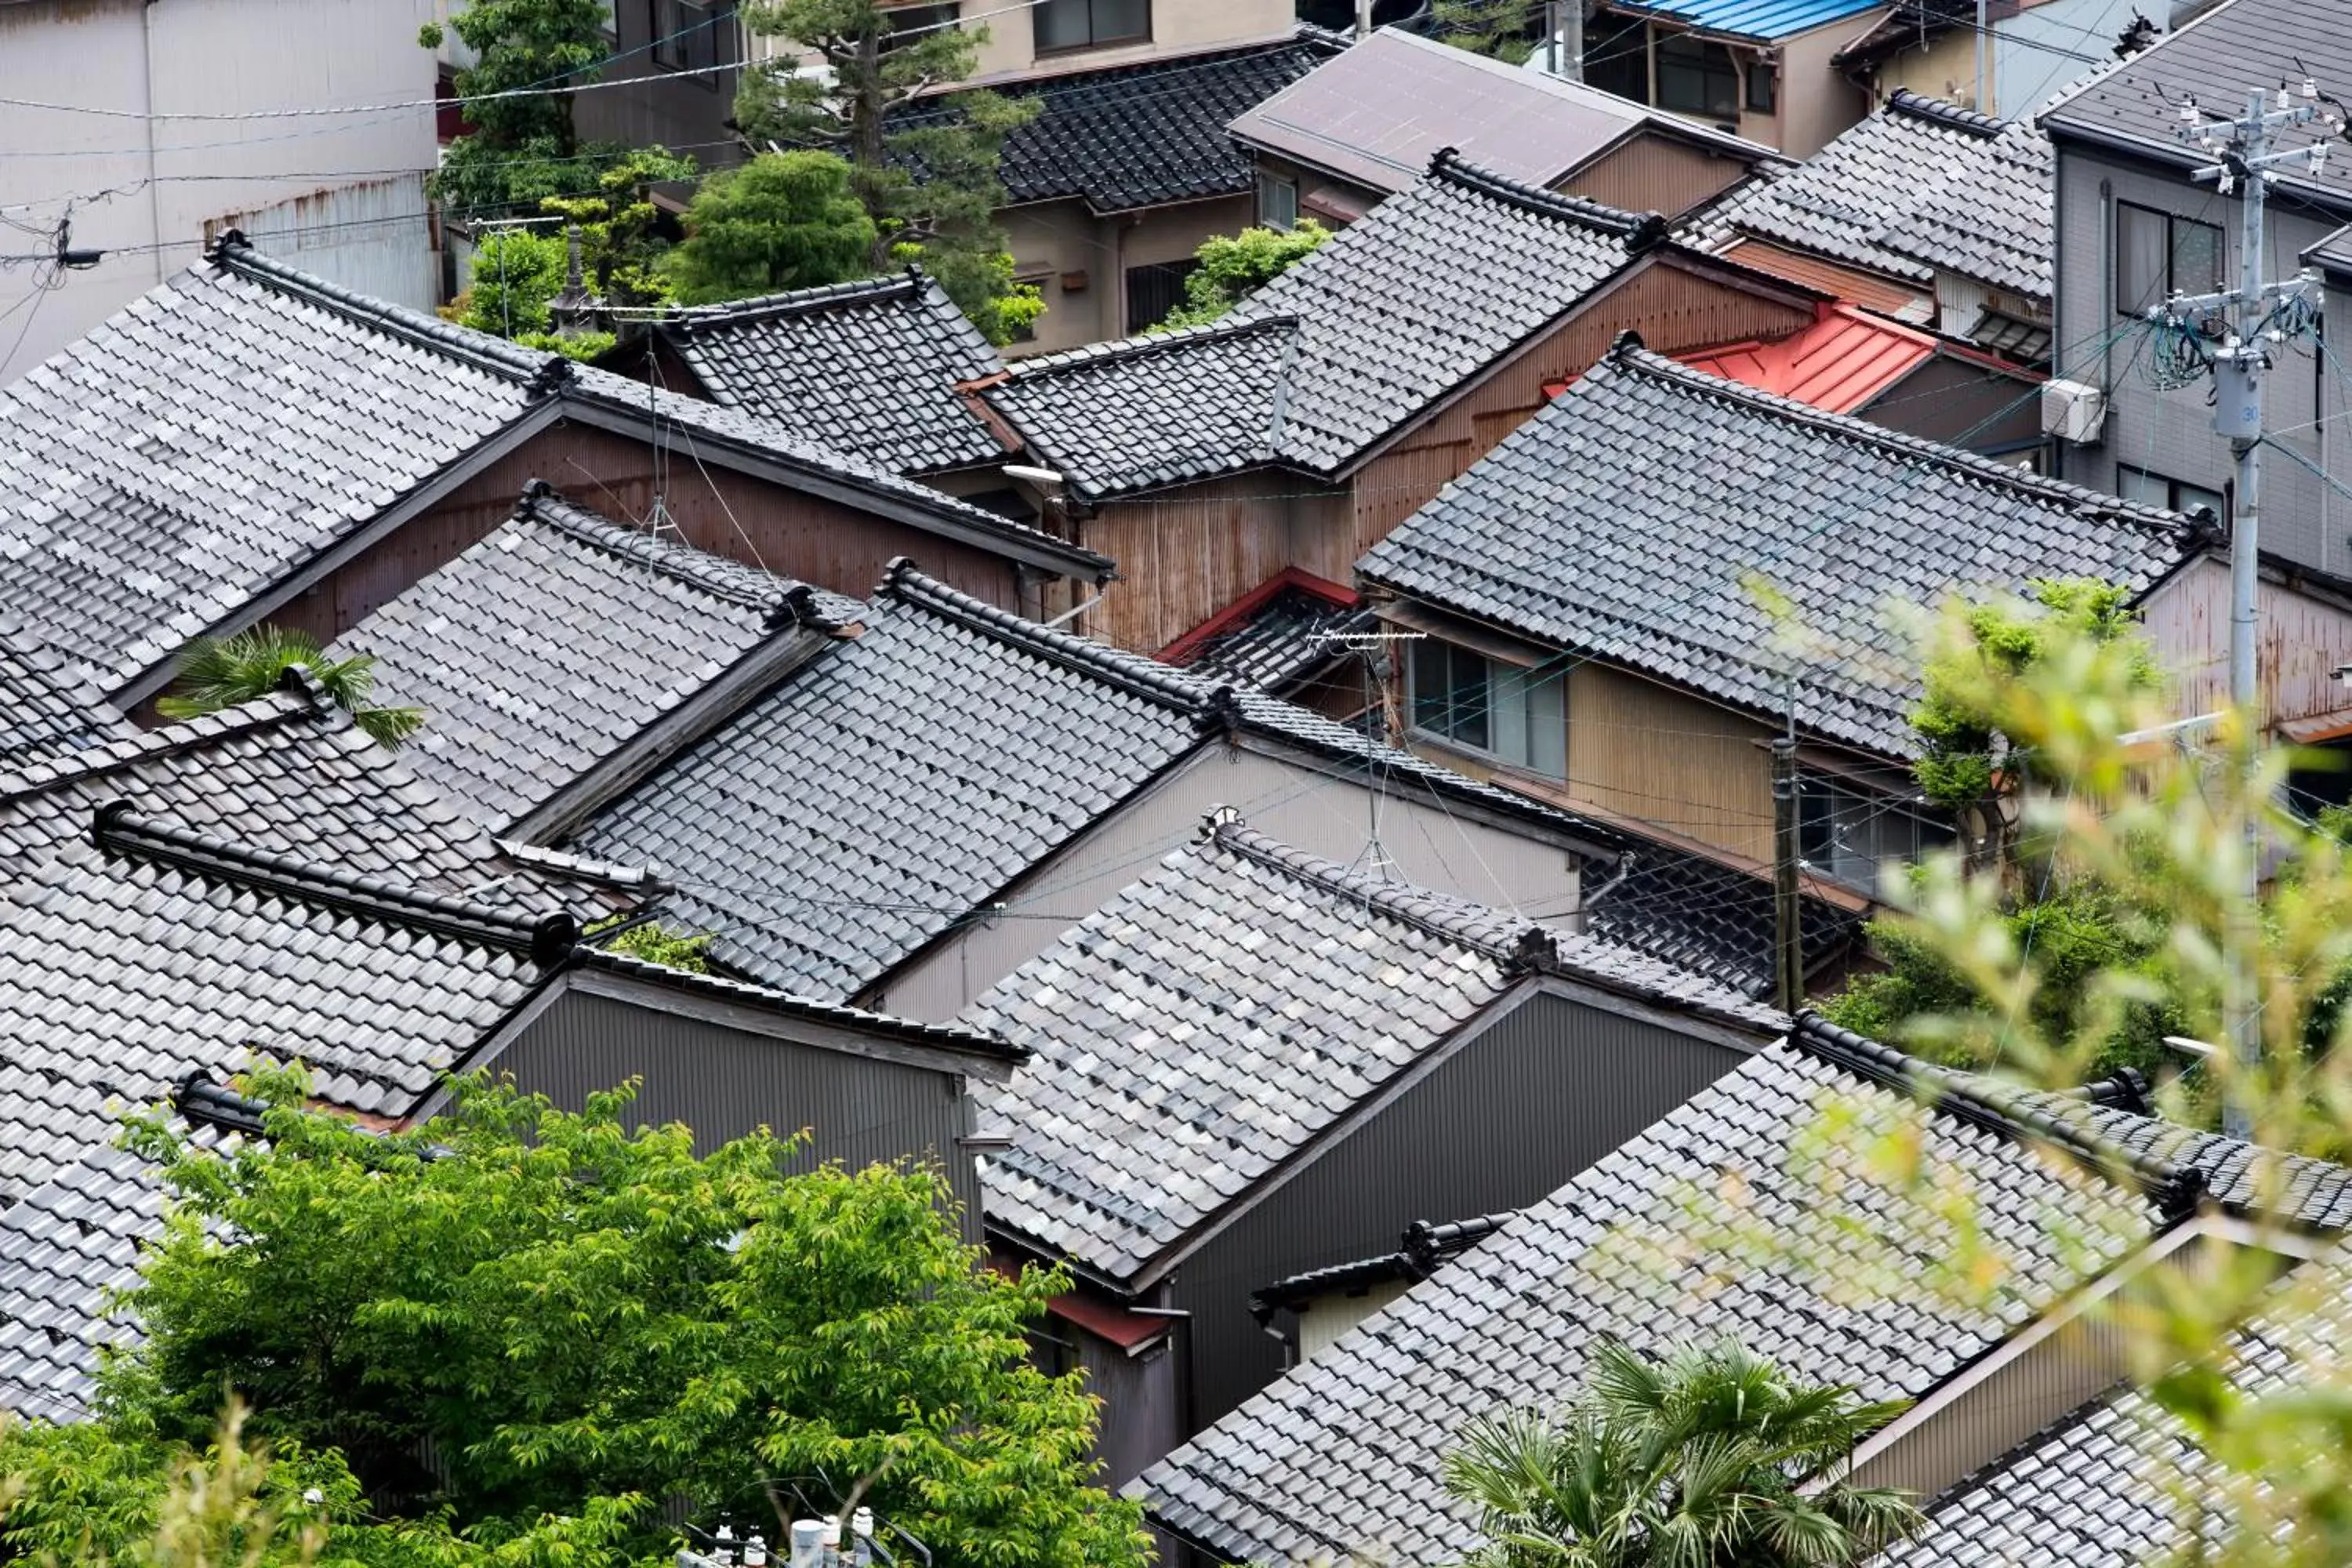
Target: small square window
(1277, 201)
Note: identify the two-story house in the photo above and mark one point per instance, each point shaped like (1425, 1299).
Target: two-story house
(1756, 68)
(2133, 228)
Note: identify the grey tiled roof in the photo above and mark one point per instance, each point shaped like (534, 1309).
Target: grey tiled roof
(1342, 1456)
(1142, 135)
(219, 430)
(1277, 645)
(47, 706)
(552, 643)
(867, 367)
(1708, 918)
(1918, 188)
(1338, 351)
(288, 773)
(1627, 519)
(1223, 1012)
(2109, 1485)
(2239, 1176)
(2214, 59)
(882, 792)
(232, 424)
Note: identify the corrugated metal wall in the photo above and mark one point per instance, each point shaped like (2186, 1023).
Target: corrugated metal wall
(2302, 641)
(1542, 1093)
(723, 1082)
(374, 237)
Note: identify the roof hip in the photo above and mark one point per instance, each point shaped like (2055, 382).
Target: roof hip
(2175, 1189)
(120, 832)
(903, 580)
(691, 319)
(1641, 230)
(544, 373)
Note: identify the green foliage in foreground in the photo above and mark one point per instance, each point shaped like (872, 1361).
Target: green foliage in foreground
(583, 1322)
(1691, 1462)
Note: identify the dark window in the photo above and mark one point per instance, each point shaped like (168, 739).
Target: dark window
(1763, 87)
(1090, 24)
(910, 22)
(2158, 253)
(1277, 201)
(1852, 835)
(1517, 716)
(687, 36)
(1154, 290)
(1698, 77)
(1617, 56)
(2149, 487)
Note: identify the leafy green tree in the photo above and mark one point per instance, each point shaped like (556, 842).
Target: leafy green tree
(1506, 29)
(2070, 927)
(620, 250)
(1693, 1462)
(1234, 266)
(221, 672)
(656, 944)
(587, 1322)
(928, 178)
(783, 221)
(523, 149)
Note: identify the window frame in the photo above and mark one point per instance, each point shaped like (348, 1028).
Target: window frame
(1819, 831)
(1094, 40)
(1538, 722)
(2171, 283)
(1271, 181)
(1768, 73)
(1709, 51)
(2175, 491)
(700, 51)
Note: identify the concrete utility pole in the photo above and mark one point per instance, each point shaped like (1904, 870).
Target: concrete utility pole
(2252, 317)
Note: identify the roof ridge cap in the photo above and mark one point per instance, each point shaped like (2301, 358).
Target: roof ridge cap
(1940, 112)
(119, 831)
(902, 579)
(1628, 354)
(38, 775)
(792, 601)
(1121, 350)
(1528, 944)
(907, 283)
(1448, 164)
(541, 373)
(2176, 1189)
(949, 1036)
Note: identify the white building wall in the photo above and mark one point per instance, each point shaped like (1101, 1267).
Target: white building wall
(144, 190)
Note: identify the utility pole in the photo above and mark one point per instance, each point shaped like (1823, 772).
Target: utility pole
(2252, 317)
(1788, 908)
(1984, 47)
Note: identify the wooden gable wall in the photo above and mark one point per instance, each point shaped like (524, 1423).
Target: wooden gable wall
(1187, 551)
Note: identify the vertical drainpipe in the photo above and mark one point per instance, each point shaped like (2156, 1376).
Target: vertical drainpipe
(154, 191)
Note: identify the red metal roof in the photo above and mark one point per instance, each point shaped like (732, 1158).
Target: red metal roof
(1838, 364)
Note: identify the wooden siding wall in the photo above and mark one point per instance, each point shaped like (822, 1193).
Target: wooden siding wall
(1648, 752)
(1672, 309)
(821, 542)
(2302, 639)
(1649, 172)
(1867, 289)
(1187, 553)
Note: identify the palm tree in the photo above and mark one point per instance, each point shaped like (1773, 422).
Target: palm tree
(1693, 1462)
(221, 672)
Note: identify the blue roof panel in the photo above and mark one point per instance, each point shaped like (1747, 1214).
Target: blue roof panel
(1754, 18)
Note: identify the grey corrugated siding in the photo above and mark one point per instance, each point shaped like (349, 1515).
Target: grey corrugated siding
(1540, 1093)
(724, 1082)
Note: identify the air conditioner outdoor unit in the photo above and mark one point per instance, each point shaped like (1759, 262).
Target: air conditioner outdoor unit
(2073, 411)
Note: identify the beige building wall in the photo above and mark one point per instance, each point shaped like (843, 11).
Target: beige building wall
(1946, 69)
(1178, 26)
(1080, 260)
(1816, 102)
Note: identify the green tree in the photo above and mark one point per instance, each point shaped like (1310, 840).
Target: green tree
(620, 250)
(1693, 1462)
(221, 672)
(588, 1321)
(1506, 29)
(926, 177)
(656, 944)
(2070, 926)
(522, 149)
(1234, 266)
(783, 221)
